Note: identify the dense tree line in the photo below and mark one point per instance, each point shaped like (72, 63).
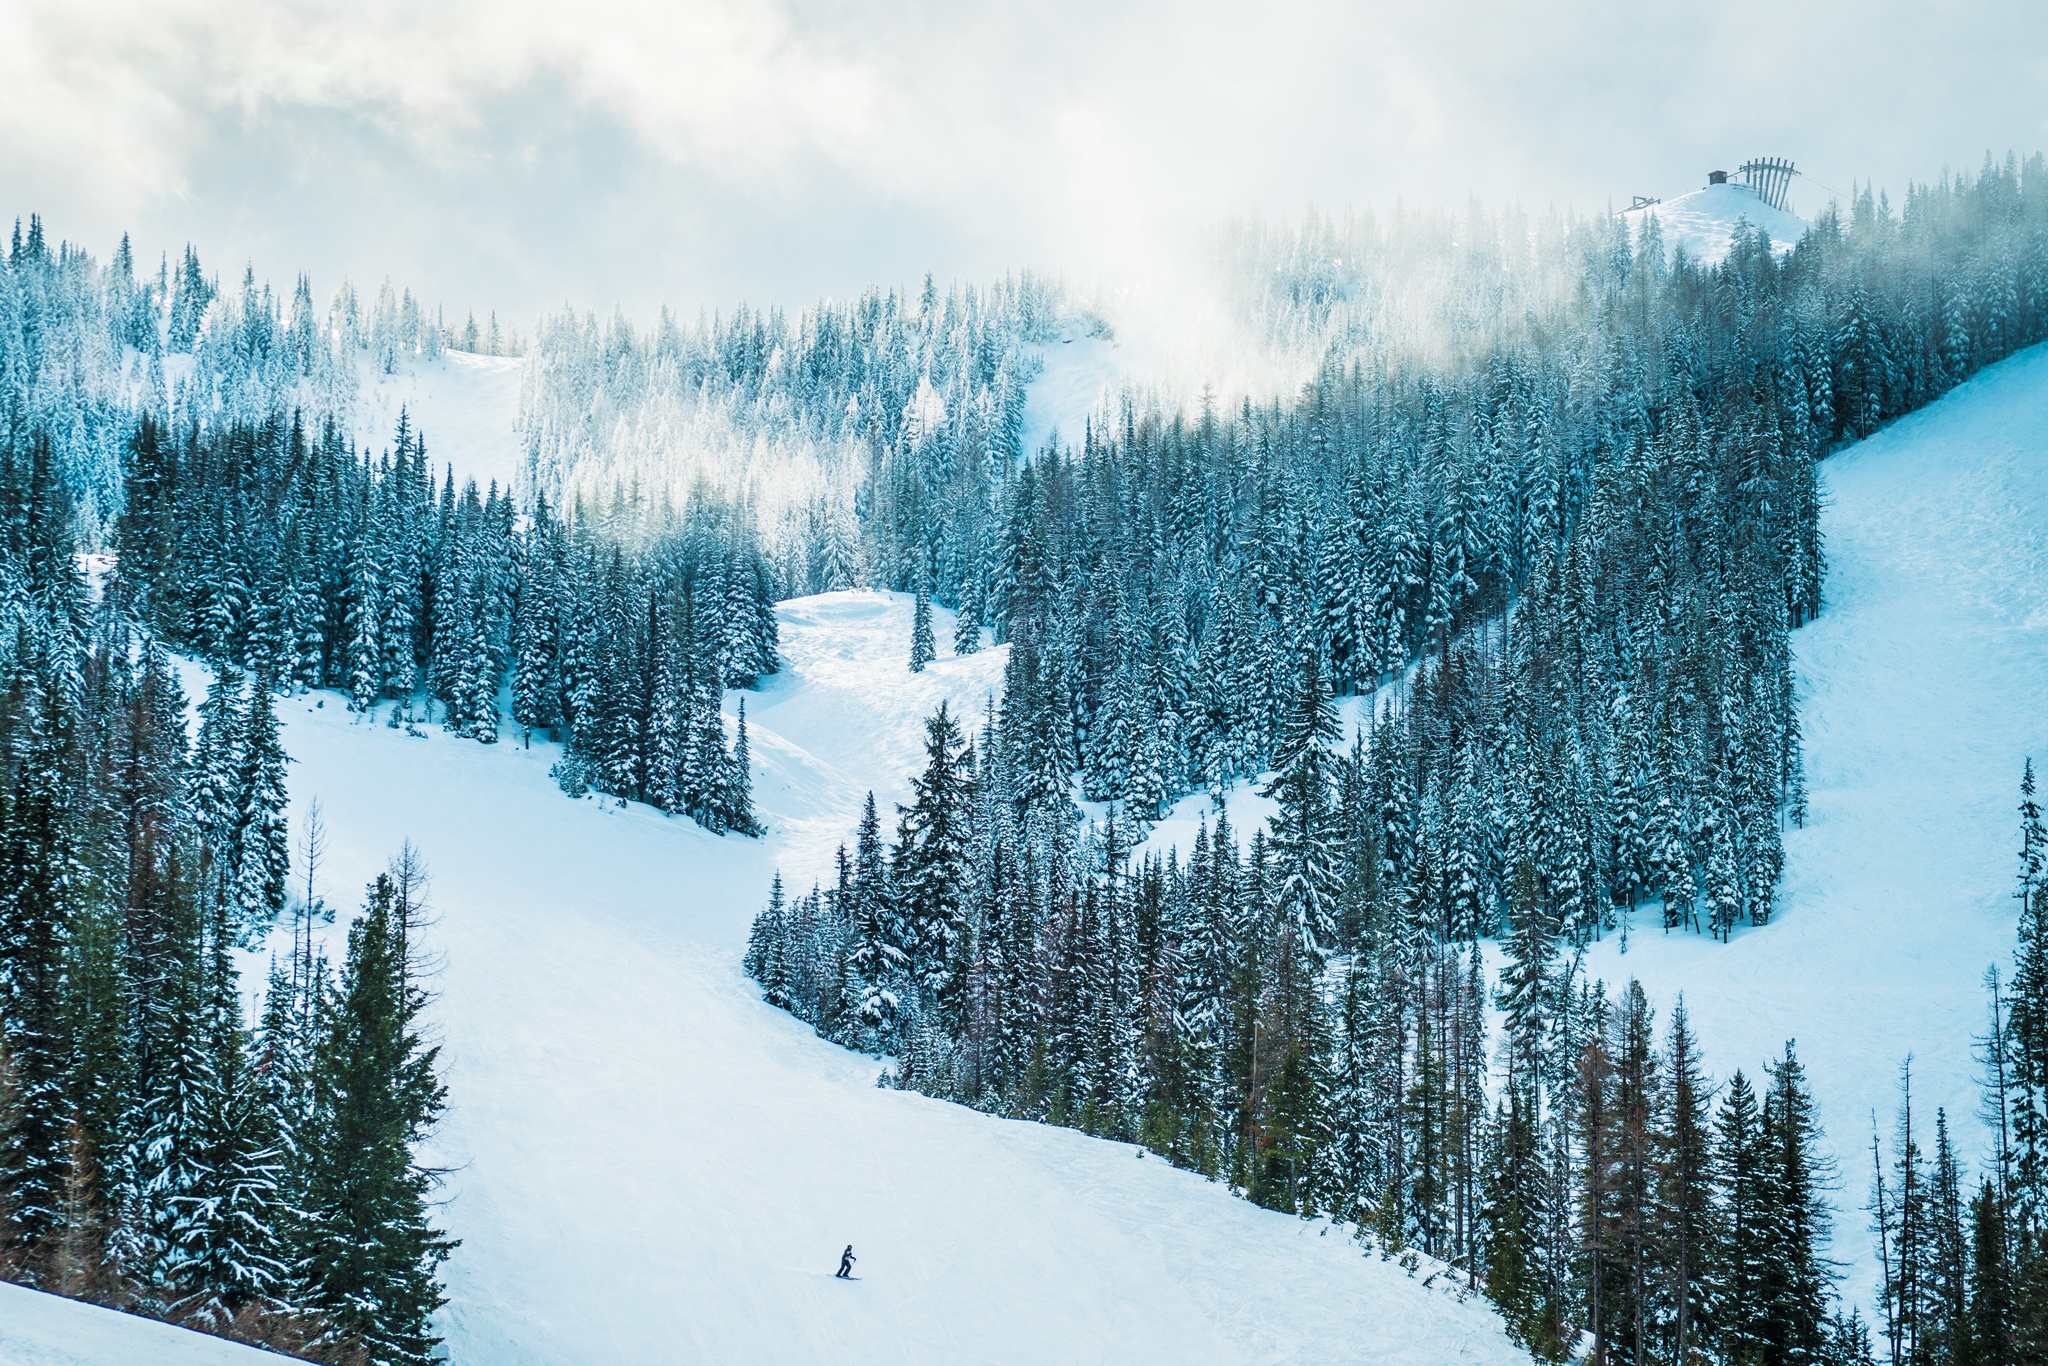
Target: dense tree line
(157, 1152)
(290, 557)
(896, 413)
(86, 346)
(1575, 551)
(1965, 1271)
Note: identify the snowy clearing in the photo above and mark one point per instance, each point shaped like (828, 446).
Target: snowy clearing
(1082, 374)
(651, 1164)
(466, 404)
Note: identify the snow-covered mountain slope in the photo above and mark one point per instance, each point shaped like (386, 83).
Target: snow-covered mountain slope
(1705, 219)
(651, 1165)
(1922, 690)
(1081, 373)
(466, 404)
(44, 1330)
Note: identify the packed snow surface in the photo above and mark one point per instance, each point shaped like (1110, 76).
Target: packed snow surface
(649, 1164)
(44, 1330)
(467, 405)
(1705, 220)
(1922, 692)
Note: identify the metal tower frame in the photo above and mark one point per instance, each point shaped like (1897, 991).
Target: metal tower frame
(1771, 178)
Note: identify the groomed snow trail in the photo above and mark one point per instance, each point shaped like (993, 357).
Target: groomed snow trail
(1924, 684)
(651, 1165)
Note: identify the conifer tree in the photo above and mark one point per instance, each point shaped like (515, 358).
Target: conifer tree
(224, 1253)
(1685, 1192)
(929, 864)
(371, 1254)
(1798, 1276)
(1515, 1189)
(923, 645)
(1991, 1295)
(1303, 834)
(261, 856)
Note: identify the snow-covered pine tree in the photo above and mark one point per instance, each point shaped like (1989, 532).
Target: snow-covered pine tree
(224, 1255)
(923, 645)
(371, 1253)
(216, 773)
(878, 960)
(735, 796)
(667, 735)
(929, 864)
(261, 857)
(362, 648)
(1303, 832)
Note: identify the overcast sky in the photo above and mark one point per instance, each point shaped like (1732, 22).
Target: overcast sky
(514, 154)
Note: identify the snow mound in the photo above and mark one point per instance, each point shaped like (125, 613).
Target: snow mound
(48, 1330)
(1920, 688)
(648, 1163)
(466, 404)
(1705, 220)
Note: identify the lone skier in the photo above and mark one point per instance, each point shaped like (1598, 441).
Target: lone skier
(846, 1260)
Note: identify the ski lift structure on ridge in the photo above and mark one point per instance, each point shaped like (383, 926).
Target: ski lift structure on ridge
(1768, 178)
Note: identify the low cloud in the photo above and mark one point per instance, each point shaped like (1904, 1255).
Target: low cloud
(513, 154)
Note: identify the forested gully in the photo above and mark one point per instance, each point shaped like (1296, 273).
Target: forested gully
(1557, 552)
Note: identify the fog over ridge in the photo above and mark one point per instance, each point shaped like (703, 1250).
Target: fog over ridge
(625, 152)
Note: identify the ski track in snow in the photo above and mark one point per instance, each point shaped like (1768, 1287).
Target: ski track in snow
(650, 1164)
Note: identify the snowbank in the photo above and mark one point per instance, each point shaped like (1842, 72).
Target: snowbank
(46, 1330)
